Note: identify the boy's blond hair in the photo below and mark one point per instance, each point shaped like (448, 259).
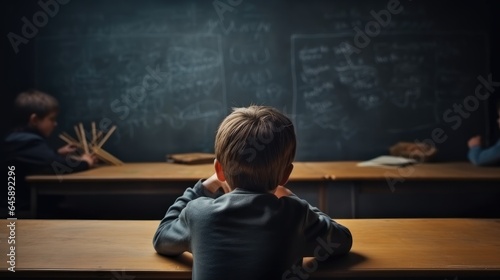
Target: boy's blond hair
(33, 102)
(255, 146)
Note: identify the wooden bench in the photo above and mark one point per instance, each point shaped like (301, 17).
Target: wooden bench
(92, 249)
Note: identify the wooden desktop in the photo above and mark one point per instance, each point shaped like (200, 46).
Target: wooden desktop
(93, 249)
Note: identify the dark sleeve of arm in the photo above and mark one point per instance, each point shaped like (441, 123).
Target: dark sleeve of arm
(59, 164)
(45, 159)
(172, 237)
(483, 157)
(324, 237)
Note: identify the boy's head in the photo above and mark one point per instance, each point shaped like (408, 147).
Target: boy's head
(36, 110)
(255, 148)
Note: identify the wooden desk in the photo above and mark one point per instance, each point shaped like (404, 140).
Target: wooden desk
(347, 170)
(169, 178)
(90, 249)
(419, 178)
(146, 178)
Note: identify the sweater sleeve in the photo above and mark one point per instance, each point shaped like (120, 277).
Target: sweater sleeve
(482, 157)
(324, 238)
(173, 236)
(38, 154)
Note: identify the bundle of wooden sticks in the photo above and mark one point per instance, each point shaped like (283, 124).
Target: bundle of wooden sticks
(92, 145)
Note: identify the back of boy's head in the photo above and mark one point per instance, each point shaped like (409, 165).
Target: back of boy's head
(255, 146)
(33, 102)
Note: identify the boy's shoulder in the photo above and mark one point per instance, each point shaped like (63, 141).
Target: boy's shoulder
(23, 136)
(242, 201)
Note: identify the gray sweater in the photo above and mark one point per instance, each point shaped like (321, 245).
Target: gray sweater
(248, 235)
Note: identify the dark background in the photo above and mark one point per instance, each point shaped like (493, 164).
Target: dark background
(94, 56)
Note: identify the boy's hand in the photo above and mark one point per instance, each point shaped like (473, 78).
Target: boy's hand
(474, 141)
(213, 184)
(90, 159)
(282, 191)
(68, 149)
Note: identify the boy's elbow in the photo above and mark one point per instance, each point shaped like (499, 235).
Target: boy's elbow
(345, 243)
(163, 248)
(167, 247)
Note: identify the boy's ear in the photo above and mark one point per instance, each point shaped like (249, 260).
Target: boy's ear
(33, 119)
(286, 175)
(219, 171)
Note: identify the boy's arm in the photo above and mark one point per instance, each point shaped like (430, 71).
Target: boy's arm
(173, 235)
(324, 237)
(39, 153)
(483, 157)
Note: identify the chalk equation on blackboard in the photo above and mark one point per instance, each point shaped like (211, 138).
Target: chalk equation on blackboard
(389, 75)
(143, 82)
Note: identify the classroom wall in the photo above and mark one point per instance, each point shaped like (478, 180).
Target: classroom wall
(329, 135)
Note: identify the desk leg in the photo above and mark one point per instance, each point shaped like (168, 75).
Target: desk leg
(34, 196)
(354, 199)
(323, 199)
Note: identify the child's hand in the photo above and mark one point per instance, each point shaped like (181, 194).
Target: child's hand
(90, 159)
(213, 184)
(68, 149)
(282, 191)
(474, 141)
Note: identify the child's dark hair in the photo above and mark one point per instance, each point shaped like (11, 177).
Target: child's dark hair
(255, 146)
(33, 102)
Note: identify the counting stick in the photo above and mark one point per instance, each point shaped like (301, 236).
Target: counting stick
(79, 137)
(102, 154)
(99, 135)
(94, 134)
(68, 140)
(69, 137)
(106, 136)
(84, 139)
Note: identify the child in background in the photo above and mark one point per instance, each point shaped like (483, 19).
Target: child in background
(242, 223)
(483, 157)
(26, 147)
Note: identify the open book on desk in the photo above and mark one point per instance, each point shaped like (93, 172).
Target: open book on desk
(393, 161)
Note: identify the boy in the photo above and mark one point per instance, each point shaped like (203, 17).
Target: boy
(242, 223)
(483, 157)
(26, 147)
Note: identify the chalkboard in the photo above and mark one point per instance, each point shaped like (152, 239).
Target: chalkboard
(355, 76)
